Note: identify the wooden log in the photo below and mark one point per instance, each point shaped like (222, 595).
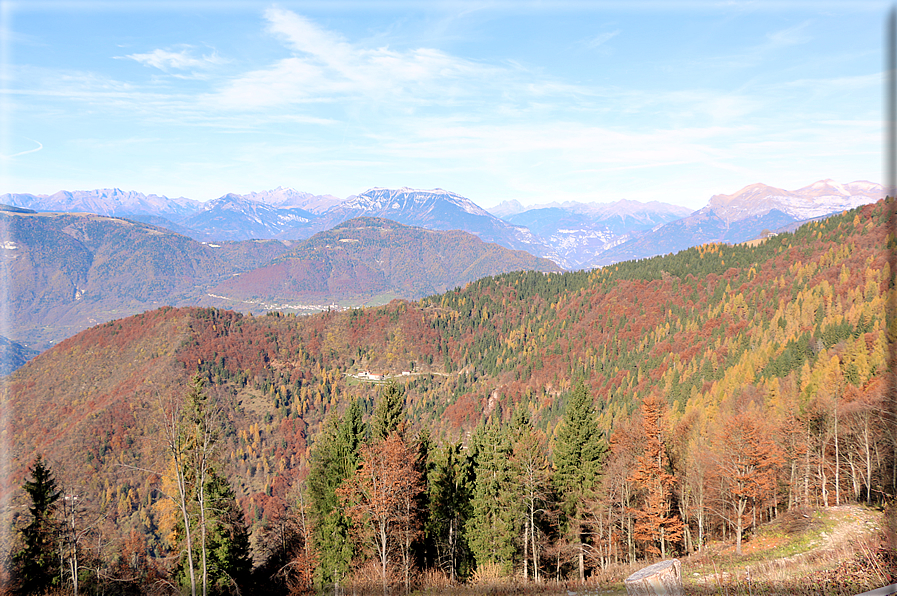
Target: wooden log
(659, 579)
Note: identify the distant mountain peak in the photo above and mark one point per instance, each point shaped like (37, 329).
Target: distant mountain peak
(382, 201)
(286, 197)
(820, 198)
(506, 208)
(753, 208)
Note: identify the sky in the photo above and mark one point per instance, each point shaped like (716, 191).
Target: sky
(529, 101)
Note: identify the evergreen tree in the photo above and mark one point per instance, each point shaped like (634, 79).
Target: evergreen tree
(389, 414)
(35, 564)
(578, 456)
(450, 488)
(335, 457)
(496, 509)
(227, 539)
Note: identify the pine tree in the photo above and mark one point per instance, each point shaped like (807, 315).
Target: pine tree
(35, 564)
(389, 413)
(334, 458)
(227, 538)
(578, 456)
(496, 509)
(450, 485)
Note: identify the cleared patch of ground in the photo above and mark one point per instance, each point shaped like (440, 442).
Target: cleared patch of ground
(836, 550)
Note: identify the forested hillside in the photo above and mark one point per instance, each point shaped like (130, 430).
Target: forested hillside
(547, 425)
(68, 271)
(370, 259)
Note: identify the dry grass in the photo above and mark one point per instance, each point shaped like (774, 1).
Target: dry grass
(837, 551)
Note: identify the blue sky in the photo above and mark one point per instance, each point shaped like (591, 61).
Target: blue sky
(538, 102)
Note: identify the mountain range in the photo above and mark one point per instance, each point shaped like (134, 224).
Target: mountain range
(577, 232)
(433, 209)
(69, 271)
(573, 235)
(743, 216)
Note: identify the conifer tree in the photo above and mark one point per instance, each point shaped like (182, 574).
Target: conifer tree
(450, 488)
(34, 565)
(334, 458)
(227, 538)
(389, 413)
(496, 509)
(578, 455)
(747, 463)
(656, 523)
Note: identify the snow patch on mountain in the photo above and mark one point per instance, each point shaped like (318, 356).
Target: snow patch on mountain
(819, 199)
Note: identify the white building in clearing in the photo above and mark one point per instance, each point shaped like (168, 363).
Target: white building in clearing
(369, 376)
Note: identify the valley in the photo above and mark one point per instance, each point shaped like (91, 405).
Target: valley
(611, 404)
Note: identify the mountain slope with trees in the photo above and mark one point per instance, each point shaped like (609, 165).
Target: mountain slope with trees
(727, 384)
(368, 258)
(70, 271)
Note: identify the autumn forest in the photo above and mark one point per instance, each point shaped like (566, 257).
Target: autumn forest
(545, 427)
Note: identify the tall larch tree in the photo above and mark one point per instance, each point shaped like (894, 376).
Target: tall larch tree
(656, 525)
(381, 498)
(529, 459)
(746, 465)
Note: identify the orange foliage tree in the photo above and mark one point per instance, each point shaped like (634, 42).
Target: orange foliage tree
(381, 497)
(655, 523)
(746, 465)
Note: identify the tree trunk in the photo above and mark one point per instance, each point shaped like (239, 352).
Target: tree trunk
(383, 554)
(664, 578)
(739, 518)
(807, 470)
(868, 453)
(532, 534)
(452, 547)
(823, 476)
(853, 477)
(791, 484)
(526, 550)
(837, 462)
(582, 565)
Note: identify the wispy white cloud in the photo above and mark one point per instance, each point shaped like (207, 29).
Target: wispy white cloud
(326, 67)
(26, 152)
(791, 36)
(167, 60)
(397, 105)
(600, 39)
